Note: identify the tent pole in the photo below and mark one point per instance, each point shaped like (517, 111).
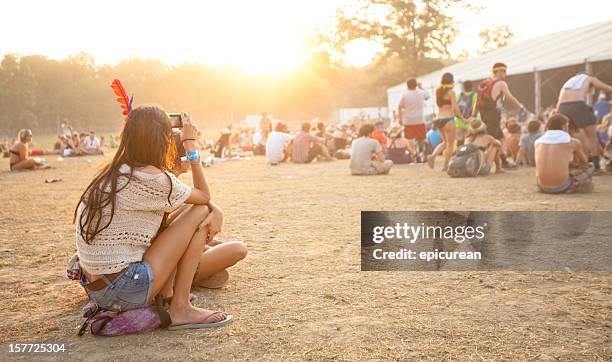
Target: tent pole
(588, 67)
(538, 90)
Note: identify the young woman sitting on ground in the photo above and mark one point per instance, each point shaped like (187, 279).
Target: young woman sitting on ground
(488, 145)
(218, 255)
(19, 153)
(125, 259)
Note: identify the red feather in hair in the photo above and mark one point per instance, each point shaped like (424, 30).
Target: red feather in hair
(122, 97)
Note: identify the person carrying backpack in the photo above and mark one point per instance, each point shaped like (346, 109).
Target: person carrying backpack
(491, 93)
(466, 100)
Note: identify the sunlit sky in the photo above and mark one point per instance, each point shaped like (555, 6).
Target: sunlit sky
(258, 36)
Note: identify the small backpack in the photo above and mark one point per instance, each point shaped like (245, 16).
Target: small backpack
(102, 322)
(466, 162)
(485, 95)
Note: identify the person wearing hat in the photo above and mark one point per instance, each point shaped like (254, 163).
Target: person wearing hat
(19, 153)
(488, 145)
(492, 92)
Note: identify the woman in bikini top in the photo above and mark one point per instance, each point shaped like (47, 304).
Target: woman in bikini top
(19, 153)
(447, 110)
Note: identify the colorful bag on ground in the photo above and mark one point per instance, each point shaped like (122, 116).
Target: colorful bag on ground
(106, 323)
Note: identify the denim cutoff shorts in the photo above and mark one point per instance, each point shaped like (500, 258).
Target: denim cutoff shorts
(130, 290)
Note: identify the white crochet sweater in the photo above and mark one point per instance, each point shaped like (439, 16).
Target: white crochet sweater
(139, 211)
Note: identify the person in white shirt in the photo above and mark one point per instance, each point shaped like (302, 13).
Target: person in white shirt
(92, 144)
(410, 114)
(278, 143)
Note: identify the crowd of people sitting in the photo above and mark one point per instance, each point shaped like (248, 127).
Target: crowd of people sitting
(23, 154)
(472, 131)
(480, 130)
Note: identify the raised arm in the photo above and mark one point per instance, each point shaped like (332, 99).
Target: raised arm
(601, 85)
(200, 194)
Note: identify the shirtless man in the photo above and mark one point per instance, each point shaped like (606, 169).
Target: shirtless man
(572, 103)
(554, 152)
(491, 111)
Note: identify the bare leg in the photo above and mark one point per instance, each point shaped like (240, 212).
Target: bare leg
(179, 247)
(220, 257)
(449, 130)
(592, 145)
(431, 159)
(323, 151)
(28, 164)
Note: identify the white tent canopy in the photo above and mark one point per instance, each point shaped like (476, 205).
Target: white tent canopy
(570, 47)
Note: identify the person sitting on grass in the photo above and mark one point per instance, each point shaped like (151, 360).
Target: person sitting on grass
(125, 259)
(488, 145)
(19, 153)
(434, 139)
(367, 157)
(307, 147)
(218, 255)
(278, 145)
(341, 137)
(379, 135)
(91, 144)
(400, 149)
(512, 136)
(526, 153)
(555, 152)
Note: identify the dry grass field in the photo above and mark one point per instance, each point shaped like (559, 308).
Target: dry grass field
(300, 294)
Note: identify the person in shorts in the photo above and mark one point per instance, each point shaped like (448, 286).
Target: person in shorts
(572, 103)
(410, 114)
(561, 165)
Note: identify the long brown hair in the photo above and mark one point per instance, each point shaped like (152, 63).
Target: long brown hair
(145, 140)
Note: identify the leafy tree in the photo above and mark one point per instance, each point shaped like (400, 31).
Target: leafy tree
(412, 30)
(495, 37)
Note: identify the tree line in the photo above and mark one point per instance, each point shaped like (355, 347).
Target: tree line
(38, 92)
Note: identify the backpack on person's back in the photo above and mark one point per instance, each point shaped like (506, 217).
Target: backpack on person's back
(466, 162)
(485, 95)
(466, 101)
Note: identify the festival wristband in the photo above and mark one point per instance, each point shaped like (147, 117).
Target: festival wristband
(184, 159)
(193, 155)
(188, 139)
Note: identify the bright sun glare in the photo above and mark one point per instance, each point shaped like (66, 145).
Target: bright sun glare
(264, 36)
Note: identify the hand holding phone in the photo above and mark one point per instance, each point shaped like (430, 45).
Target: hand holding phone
(176, 119)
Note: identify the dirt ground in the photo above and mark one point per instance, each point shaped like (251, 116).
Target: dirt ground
(300, 293)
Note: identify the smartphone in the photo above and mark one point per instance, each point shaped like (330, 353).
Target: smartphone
(175, 120)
